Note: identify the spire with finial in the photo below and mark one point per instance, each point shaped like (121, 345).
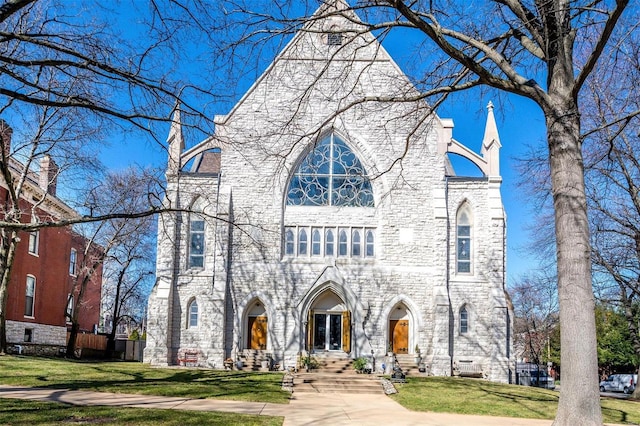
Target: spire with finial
(491, 143)
(175, 141)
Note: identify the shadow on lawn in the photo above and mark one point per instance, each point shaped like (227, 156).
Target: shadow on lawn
(135, 378)
(470, 396)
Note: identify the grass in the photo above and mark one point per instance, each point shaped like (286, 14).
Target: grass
(137, 378)
(439, 394)
(28, 413)
(479, 397)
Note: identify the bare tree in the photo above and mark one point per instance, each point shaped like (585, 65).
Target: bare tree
(535, 304)
(67, 80)
(120, 246)
(129, 267)
(615, 220)
(85, 281)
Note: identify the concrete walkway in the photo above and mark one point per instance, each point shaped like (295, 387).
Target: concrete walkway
(304, 409)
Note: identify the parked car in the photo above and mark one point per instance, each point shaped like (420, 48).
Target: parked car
(619, 383)
(542, 379)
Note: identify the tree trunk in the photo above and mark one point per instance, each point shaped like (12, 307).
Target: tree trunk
(9, 251)
(75, 317)
(579, 394)
(71, 344)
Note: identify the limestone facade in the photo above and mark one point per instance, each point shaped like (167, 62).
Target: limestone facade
(275, 249)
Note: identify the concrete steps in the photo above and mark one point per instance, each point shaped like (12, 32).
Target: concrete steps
(335, 383)
(252, 359)
(408, 364)
(335, 374)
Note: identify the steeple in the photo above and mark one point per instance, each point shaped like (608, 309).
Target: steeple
(490, 150)
(175, 142)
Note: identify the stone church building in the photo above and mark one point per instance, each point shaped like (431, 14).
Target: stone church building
(323, 216)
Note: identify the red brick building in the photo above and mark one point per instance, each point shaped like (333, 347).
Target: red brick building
(47, 267)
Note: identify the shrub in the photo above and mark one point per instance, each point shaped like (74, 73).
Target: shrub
(360, 363)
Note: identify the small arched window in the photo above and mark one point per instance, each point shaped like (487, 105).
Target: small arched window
(302, 242)
(343, 248)
(370, 242)
(463, 240)
(289, 243)
(193, 314)
(356, 243)
(315, 243)
(464, 320)
(329, 243)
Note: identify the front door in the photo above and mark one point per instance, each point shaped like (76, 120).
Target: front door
(399, 336)
(327, 332)
(257, 333)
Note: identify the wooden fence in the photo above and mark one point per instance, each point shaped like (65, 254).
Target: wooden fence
(90, 341)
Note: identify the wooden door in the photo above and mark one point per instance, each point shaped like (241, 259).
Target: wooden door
(257, 333)
(399, 336)
(346, 331)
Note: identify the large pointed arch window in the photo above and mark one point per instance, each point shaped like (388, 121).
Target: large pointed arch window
(463, 237)
(330, 175)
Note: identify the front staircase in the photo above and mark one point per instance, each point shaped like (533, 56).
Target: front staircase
(408, 364)
(335, 374)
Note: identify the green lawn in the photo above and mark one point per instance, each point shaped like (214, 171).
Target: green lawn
(140, 378)
(439, 394)
(469, 396)
(19, 412)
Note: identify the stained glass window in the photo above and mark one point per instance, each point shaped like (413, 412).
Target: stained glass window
(330, 175)
(463, 249)
(196, 246)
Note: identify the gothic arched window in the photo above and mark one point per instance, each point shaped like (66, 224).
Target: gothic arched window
(330, 175)
(302, 242)
(196, 236)
(193, 314)
(463, 240)
(464, 320)
(328, 243)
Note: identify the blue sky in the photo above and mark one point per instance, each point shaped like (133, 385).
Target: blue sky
(520, 124)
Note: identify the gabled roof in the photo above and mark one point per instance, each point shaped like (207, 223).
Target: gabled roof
(333, 16)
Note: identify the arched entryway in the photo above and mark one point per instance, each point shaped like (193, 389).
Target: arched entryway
(328, 324)
(399, 326)
(257, 326)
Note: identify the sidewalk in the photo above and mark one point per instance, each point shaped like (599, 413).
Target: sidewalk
(304, 409)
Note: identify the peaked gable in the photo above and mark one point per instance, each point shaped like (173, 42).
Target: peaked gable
(327, 47)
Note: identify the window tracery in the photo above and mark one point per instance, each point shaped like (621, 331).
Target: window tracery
(330, 175)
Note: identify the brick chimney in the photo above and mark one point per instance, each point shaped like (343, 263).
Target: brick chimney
(5, 138)
(48, 175)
